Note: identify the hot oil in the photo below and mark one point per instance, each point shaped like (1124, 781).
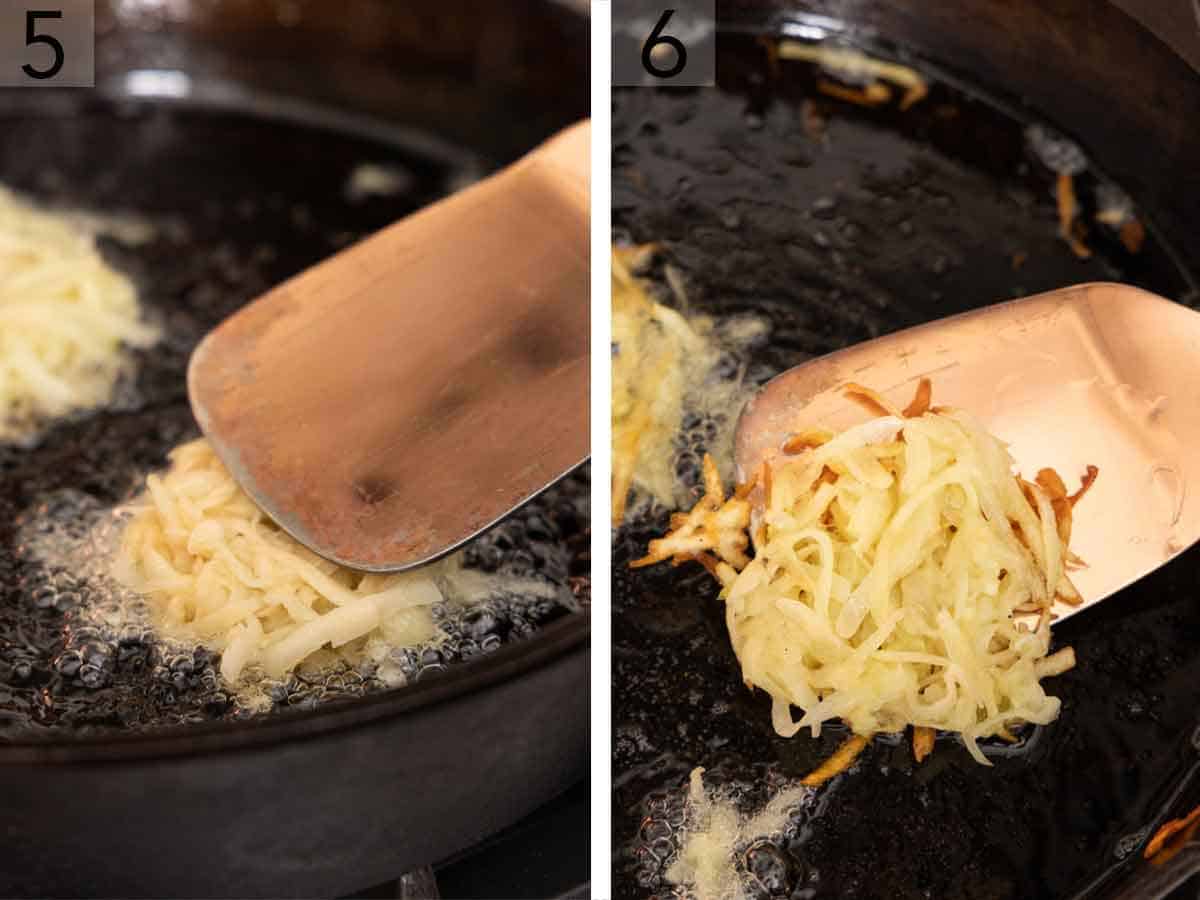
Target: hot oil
(224, 220)
(507, 585)
(837, 223)
(704, 382)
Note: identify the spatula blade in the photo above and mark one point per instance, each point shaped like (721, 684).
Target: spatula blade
(393, 401)
(1101, 374)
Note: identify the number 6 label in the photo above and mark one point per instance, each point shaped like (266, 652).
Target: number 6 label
(658, 42)
(47, 43)
(664, 44)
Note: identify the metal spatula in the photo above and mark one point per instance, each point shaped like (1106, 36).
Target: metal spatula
(1100, 374)
(393, 401)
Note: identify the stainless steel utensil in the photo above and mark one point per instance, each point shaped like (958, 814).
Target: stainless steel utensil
(398, 398)
(1099, 374)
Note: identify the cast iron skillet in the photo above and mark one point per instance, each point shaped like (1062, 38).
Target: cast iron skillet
(834, 234)
(232, 128)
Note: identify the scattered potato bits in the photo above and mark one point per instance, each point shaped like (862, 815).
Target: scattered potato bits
(866, 75)
(715, 831)
(669, 367)
(66, 318)
(657, 354)
(902, 575)
(713, 533)
(218, 570)
(1172, 837)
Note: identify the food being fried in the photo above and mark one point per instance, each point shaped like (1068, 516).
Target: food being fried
(655, 350)
(219, 572)
(663, 368)
(868, 75)
(902, 575)
(1172, 837)
(715, 832)
(67, 320)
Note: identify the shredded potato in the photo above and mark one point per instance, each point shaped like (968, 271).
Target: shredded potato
(1171, 837)
(902, 576)
(842, 759)
(1070, 226)
(66, 318)
(219, 571)
(654, 349)
(857, 66)
(662, 367)
(715, 832)
(922, 742)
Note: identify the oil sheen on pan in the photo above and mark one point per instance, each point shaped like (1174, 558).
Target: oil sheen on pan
(213, 241)
(837, 222)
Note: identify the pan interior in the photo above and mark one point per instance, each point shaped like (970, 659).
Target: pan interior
(837, 223)
(225, 204)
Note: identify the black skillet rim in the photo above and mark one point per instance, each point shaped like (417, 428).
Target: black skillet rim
(554, 641)
(549, 644)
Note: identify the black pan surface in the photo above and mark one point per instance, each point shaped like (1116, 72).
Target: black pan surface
(236, 203)
(836, 224)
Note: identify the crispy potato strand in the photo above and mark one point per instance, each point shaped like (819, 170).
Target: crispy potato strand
(806, 440)
(1133, 235)
(1068, 215)
(841, 760)
(714, 524)
(1158, 849)
(1085, 484)
(922, 742)
(920, 401)
(874, 94)
(871, 401)
(854, 64)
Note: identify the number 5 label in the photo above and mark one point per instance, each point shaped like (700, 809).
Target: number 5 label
(656, 42)
(47, 43)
